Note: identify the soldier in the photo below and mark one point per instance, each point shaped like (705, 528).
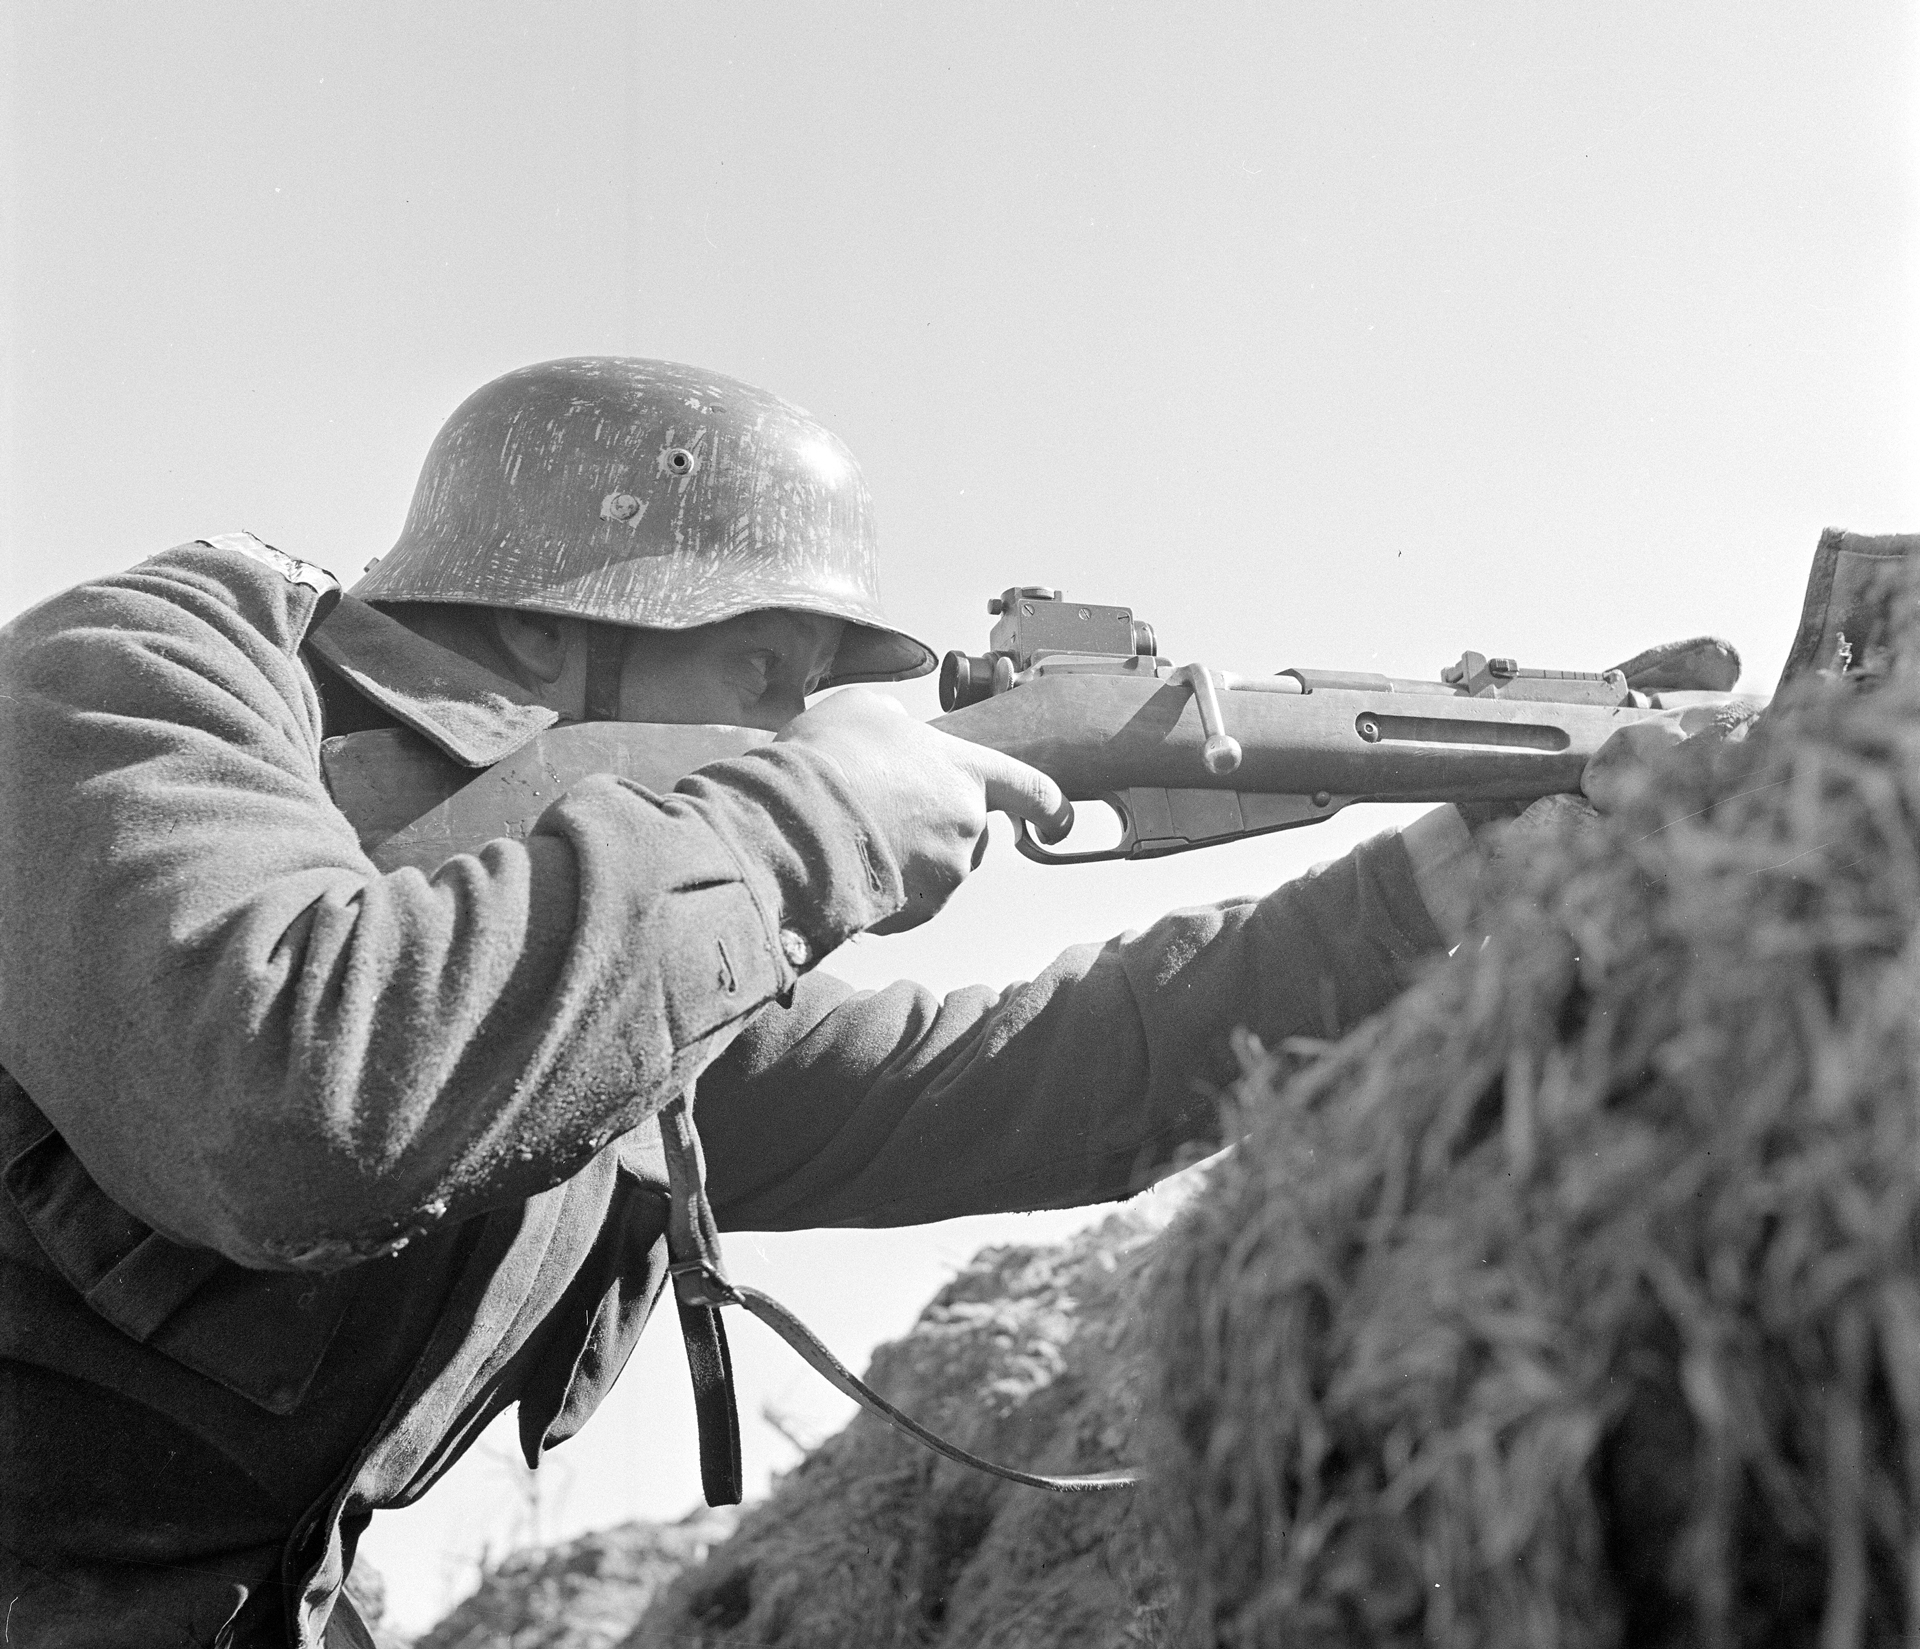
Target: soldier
(311, 1171)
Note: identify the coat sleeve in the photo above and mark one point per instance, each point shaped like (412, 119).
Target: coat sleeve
(257, 1043)
(1083, 1085)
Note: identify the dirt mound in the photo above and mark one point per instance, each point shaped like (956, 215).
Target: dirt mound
(1573, 1301)
(1026, 1357)
(581, 1594)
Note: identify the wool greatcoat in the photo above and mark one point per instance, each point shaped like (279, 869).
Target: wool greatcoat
(310, 1171)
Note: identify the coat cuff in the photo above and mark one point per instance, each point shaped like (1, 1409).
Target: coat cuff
(808, 851)
(1395, 916)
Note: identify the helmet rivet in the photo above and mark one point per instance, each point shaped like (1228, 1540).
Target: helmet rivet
(620, 506)
(678, 461)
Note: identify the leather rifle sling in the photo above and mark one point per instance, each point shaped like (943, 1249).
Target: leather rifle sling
(701, 1288)
(693, 1248)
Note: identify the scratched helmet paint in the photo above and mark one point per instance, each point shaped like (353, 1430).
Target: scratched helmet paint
(650, 494)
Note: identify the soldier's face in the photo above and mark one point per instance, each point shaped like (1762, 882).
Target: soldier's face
(752, 671)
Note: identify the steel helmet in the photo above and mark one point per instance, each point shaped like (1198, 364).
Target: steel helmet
(650, 494)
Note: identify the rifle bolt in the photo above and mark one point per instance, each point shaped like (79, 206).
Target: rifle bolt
(1322, 797)
(1221, 754)
(1368, 729)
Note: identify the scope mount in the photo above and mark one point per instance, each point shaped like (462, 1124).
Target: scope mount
(1036, 622)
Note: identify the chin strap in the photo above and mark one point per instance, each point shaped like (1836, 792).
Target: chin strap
(701, 1289)
(606, 657)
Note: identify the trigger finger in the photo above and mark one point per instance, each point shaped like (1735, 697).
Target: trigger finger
(1026, 793)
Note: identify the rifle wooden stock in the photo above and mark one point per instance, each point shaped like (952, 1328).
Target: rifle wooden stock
(412, 805)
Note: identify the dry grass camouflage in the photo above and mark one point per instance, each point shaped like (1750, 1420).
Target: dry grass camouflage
(1572, 1302)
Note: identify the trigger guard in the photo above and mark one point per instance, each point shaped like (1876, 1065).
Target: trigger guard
(1029, 846)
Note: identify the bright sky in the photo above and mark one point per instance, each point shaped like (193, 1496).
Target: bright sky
(1328, 334)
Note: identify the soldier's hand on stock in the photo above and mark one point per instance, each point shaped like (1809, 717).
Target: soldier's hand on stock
(928, 792)
(1451, 846)
(1616, 770)
(1619, 765)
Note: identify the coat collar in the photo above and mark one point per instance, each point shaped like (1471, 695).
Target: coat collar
(467, 711)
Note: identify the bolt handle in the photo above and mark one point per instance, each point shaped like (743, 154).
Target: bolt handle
(1221, 752)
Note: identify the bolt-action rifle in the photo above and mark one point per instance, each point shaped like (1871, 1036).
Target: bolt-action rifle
(1188, 756)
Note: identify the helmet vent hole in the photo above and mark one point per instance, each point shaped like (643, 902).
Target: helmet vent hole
(679, 461)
